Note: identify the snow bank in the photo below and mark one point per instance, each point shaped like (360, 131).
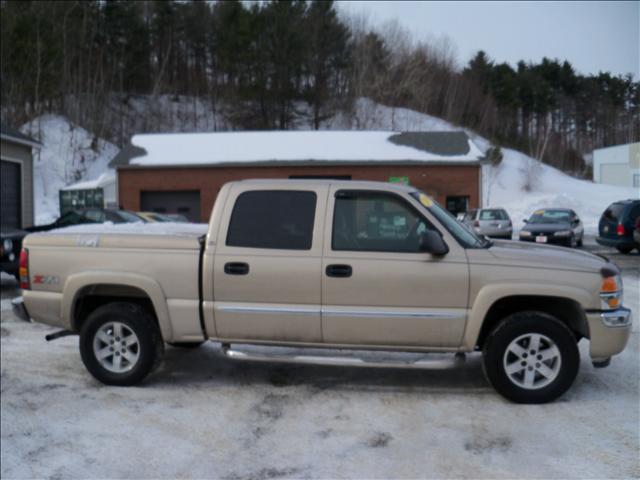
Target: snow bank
(160, 228)
(69, 154)
(238, 147)
(503, 187)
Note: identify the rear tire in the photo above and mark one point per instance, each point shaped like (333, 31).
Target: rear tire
(120, 343)
(624, 250)
(525, 377)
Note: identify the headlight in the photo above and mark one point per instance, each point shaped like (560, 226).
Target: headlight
(563, 233)
(525, 233)
(611, 292)
(7, 246)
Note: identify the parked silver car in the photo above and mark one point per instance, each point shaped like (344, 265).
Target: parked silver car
(490, 222)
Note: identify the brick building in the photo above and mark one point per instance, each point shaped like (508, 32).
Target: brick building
(182, 173)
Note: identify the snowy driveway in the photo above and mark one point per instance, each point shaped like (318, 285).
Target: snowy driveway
(202, 415)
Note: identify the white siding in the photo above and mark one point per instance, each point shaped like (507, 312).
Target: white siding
(616, 165)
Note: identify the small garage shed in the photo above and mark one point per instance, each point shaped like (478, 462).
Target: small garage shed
(182, 173)
(617, 165)
(100, 193)
(16, 178)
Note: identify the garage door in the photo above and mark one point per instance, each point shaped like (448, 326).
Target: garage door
(10, 193)
(186, 203)
(615, 174)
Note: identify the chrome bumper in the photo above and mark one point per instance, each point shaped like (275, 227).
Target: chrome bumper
(609, 332)
(620, 317)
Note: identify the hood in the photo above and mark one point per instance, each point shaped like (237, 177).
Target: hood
(546, 227)
(553, 258)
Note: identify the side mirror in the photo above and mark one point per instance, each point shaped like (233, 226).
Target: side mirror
(525, 220)
(432, 242)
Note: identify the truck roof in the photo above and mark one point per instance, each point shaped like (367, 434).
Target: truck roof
(359, 184)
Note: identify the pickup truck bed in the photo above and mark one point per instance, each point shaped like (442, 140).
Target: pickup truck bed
(120, 254)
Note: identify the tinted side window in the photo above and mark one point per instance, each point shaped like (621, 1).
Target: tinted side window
(364, 221)
(281, 219)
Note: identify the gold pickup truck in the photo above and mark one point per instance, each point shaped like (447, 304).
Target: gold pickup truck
(329, 265)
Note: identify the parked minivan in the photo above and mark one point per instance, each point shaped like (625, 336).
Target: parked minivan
(490, 222)
(617, 224)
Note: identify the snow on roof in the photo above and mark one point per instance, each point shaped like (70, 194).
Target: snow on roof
(137, 228)
(104, 179)
(302, 146)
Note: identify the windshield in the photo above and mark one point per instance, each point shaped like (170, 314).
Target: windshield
(493, 215)
(550, 216)
(129, 217)
(464, 236)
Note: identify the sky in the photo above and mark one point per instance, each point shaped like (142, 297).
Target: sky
(592, 36)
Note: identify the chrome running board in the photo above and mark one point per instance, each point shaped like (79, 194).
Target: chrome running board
(426, 364)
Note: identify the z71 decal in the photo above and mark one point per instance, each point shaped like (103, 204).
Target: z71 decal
(46, 280)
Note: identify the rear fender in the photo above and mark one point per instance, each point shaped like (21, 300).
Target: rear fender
(75, 283)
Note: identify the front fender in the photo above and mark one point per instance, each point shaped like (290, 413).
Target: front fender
(75, 283)
(490, 294)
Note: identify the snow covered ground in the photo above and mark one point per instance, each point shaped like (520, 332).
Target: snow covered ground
(203, 416)
(71, 154)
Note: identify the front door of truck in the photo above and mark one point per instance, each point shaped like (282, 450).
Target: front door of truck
(267, 263)
(378, 288)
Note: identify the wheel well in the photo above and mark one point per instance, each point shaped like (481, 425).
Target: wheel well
(91, 297)
(566, 310)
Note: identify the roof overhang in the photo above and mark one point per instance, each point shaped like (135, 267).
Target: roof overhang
(308, 163)
(21, 141)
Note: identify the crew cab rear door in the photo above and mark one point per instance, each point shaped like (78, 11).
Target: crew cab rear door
(267, 263)
(378, 288)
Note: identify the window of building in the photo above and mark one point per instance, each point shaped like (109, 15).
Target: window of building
(280, 219)
(457, 204)
(369, 221)
(320, 177)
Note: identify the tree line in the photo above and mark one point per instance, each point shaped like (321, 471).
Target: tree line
(265, 65)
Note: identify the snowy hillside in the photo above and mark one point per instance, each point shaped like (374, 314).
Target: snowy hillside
(503, 187)
(71, 154)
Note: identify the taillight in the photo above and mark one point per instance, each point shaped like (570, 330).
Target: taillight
(620, 229)
(24, 270)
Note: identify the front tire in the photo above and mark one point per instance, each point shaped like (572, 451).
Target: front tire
(531, 357)
(120, 343)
